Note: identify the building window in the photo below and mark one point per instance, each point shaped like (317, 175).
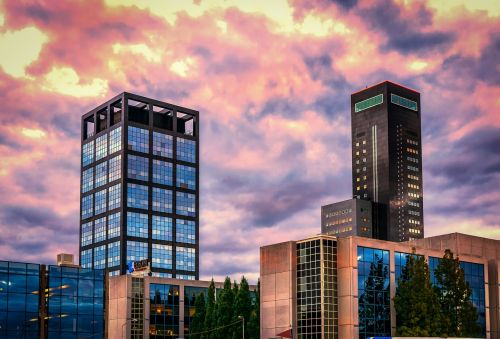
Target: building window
(100, 257)
(136, 250)
(101, 174)
(374, 292)
(164, 301)
(137, 196)
(162, 256)
(138, 139)
(86, 258)
(87, 206)
(162, 172)
(114, 254)
(138, 167)
(88, 153)
(184, 276)
(115, 140)
(113, 225)
(114, 199)
(161, 274)
(100, 202)
(185, 258)
(161, 228)
(162, 145)
(186, 203)
(88, 180)
(186, 150)
(185, 231)
(162, 200)
(100, 229)
(115, 170)
(87, 230)
(101, 147)
(137, 224)
(186, 177)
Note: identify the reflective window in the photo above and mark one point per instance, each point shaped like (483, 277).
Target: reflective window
(137, 196)
(185, 258)
(138, 167)
(373, 290)
(114, 254)
(88, 180)
(161, 274)
(186, 177)
(162, 256)
(137, 224)
(185, 231)
(138, 139)
(184, 276)
(136, 250)
(101, 174)
(100, 229)
(162, 200)
(88, 153)
(113, 225)
(100, 202)
(164, 303)
(87, 230)
(101, 147)
(400, 260)
(186, 150)
(87, 206)
(86, 258)
(114, 168)
(114, 199)
(186, 204)
(115, 140)
(190, 294)
(162, 172)
(162, 144)
(100, 257)
(162, 228)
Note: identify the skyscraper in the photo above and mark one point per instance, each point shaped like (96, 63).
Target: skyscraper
(140, 187)
(387, 158)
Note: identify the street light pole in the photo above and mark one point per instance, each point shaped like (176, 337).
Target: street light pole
(242, 318)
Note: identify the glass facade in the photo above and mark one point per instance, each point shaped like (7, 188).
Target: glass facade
(137, 224)
(162, 256)
(114, 168)
(76, 303)
(87, 231)
(115, 140)
(136, 250)
(138, 139)
(186, 204)
(162, 200)
(100, 202)
(74, 306)
(162, 172)
(164, 312)
(185, 231)
(19, 300)
(137, 196)
(162, 145)
(190, 294)
(400, 260)
(474, 276)
(88, 153)
(185, 258)
(162, 228)
(101, 147)
(87, 206)
(101, 174)
(114, 197)
(100, 229)
(373, 291)
(186, 150)
(114, 254)
(113, 225)
(138, 167)
(88, 180)
(312, 277)
(100, 257)
(186, 177)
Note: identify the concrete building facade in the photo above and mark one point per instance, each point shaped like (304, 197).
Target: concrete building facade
(346, 218)
(365, 309)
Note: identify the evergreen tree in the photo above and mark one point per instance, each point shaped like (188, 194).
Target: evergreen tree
(210, 320)
(242, 307)
(254, 322)
(197, 325)
(459, 314)
(417, 306)
(224, 311)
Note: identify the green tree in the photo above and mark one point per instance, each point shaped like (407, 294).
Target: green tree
(224, 311)
(242, 307)
(254, 322)
(210, 320)
(417, 307)
(454, 293)
(197, 325)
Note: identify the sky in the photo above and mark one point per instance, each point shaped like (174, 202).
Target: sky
(272, 82)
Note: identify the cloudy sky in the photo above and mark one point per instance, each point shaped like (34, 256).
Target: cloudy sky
(272, 81)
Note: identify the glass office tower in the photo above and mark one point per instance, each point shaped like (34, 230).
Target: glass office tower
(139, 187)
(387, 159)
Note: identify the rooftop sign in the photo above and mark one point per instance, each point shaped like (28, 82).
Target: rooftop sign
(406, 103)
(370, 102)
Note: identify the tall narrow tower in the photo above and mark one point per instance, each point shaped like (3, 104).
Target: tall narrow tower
(387, 159)
(140, 187)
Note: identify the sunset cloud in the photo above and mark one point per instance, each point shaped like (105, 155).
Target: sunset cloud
(272, 81)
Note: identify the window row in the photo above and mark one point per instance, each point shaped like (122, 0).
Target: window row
(161, 228)
(107, 171)
(162, 255)
(102, 256)
(100, 230)
(101, 149)
(100, 202)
